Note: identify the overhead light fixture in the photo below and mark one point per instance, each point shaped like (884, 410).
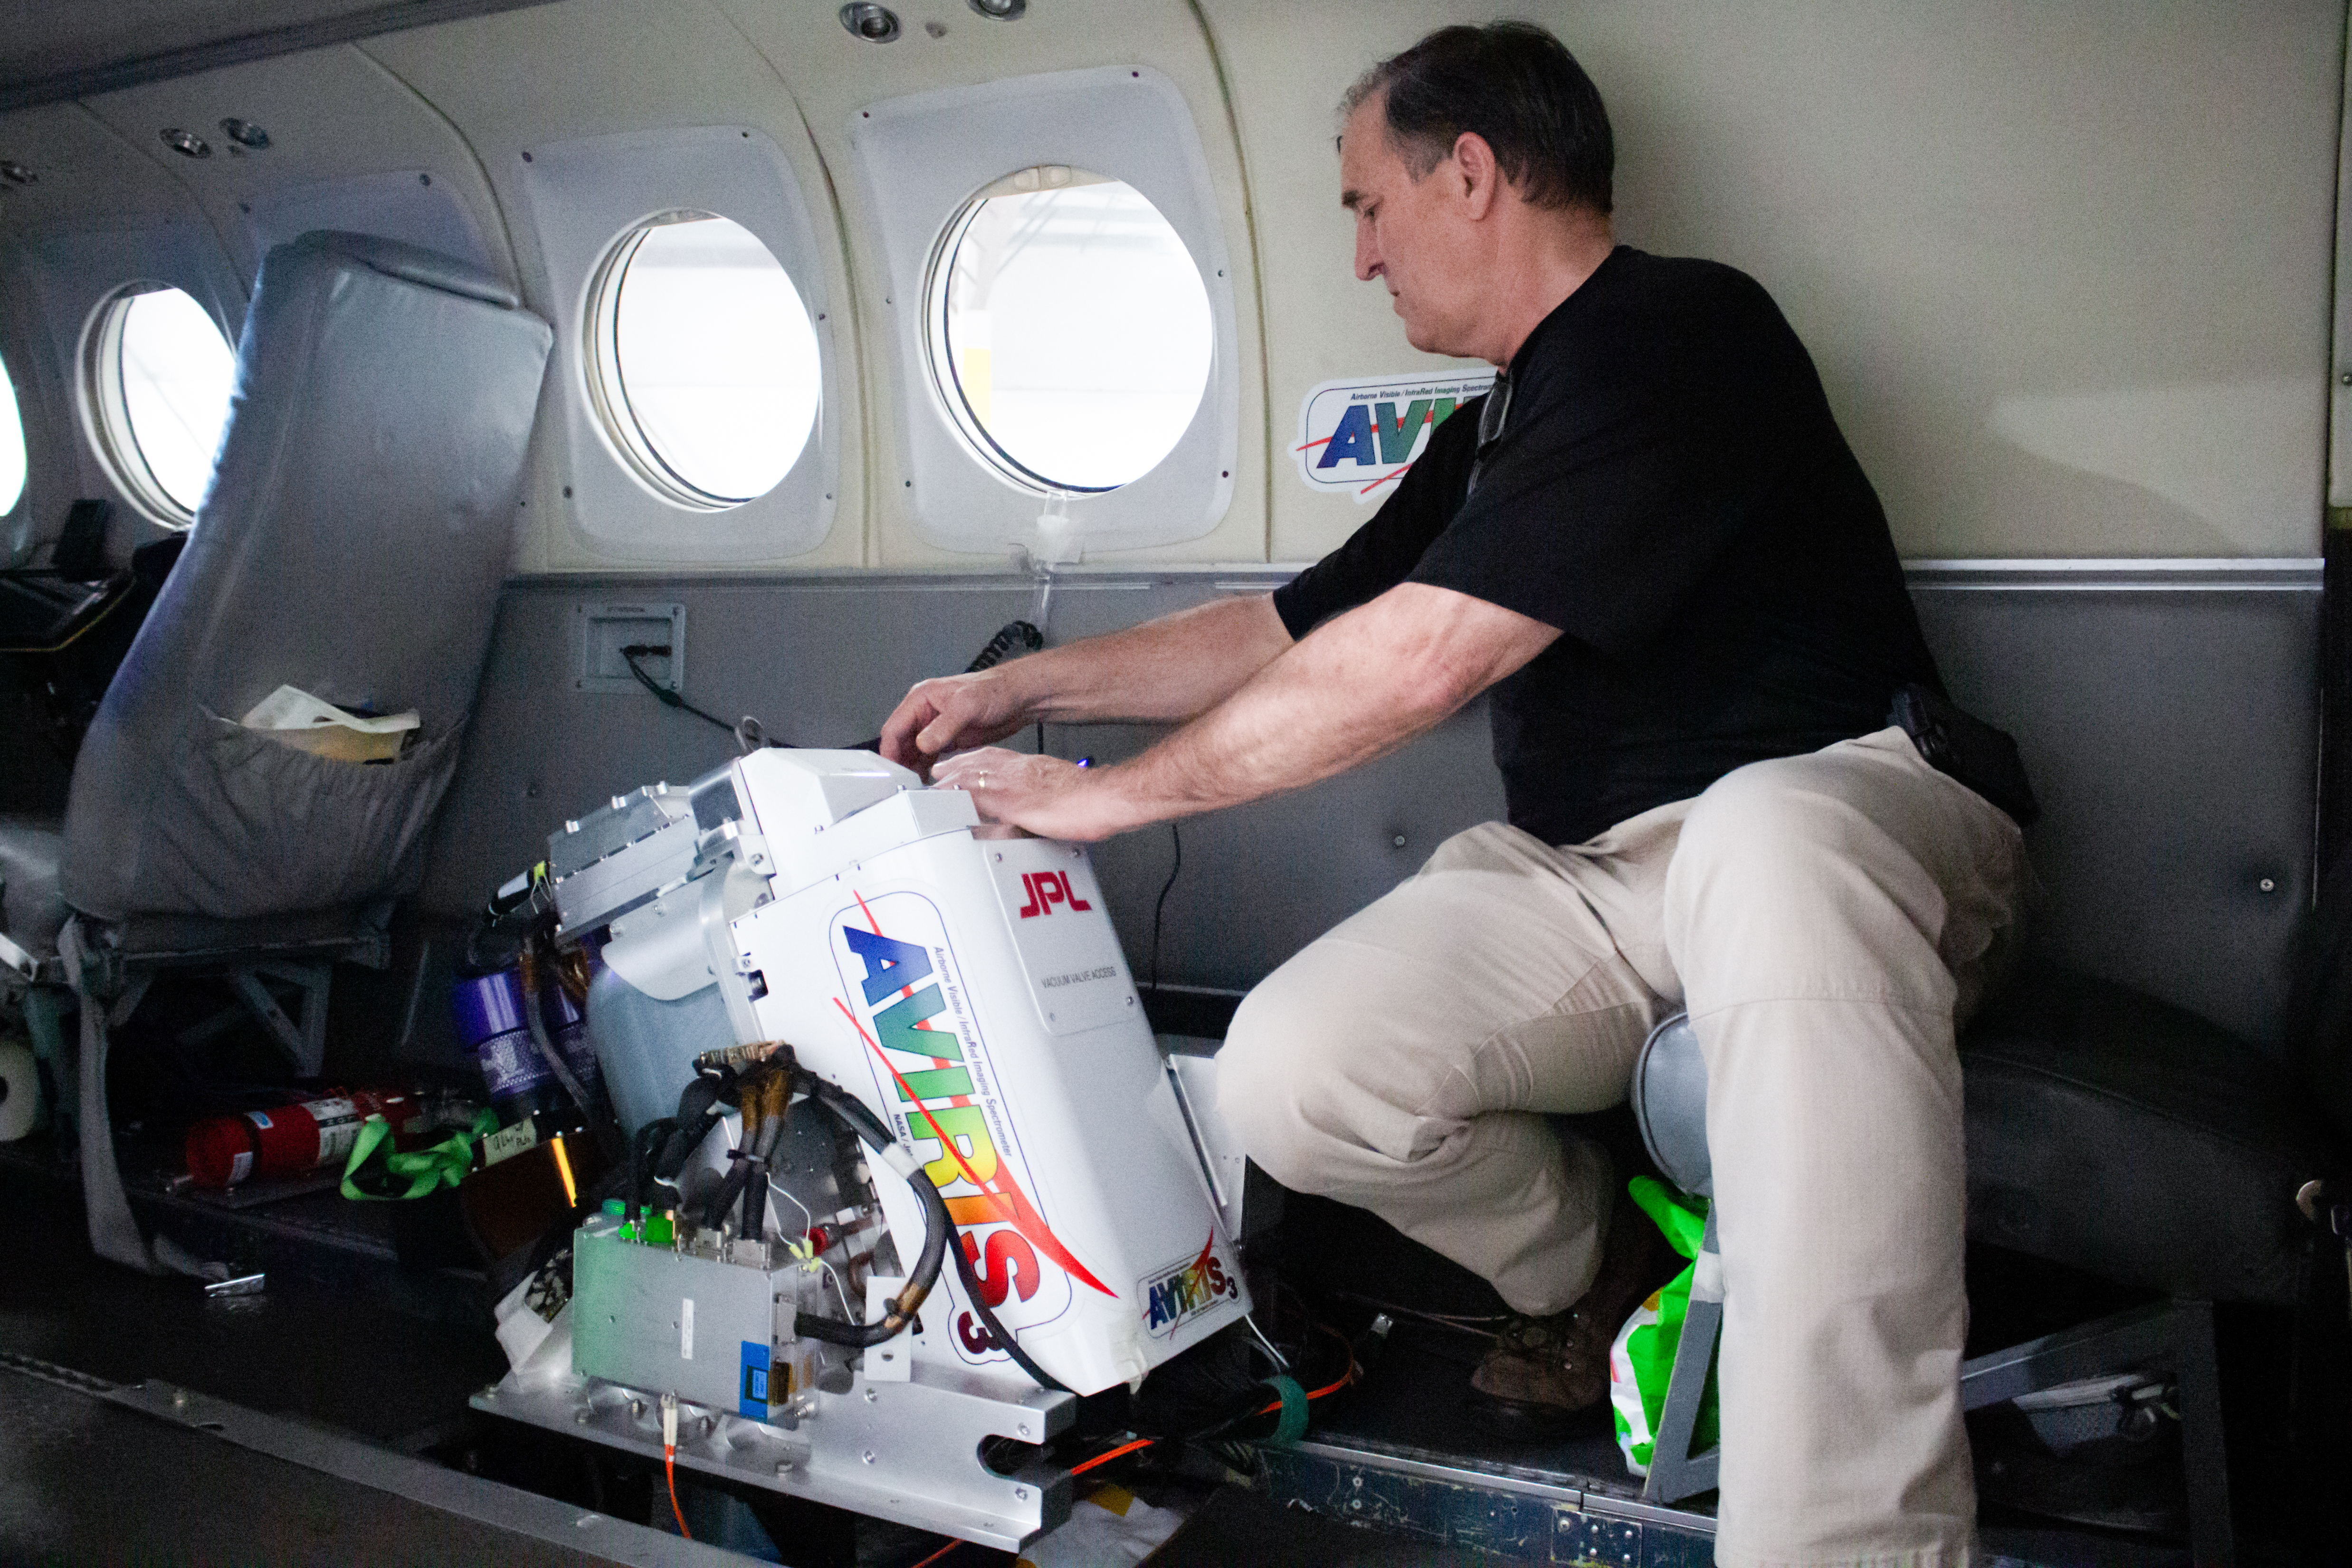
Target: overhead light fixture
(15, 173)
(1001, 10)
(253, 139)
(186, 144)
(875, 24)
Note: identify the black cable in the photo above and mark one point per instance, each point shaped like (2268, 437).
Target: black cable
(997, 1332)
(700, 1106)
(870, 1127)
(1013, 634)
(642, 1149)
(668, 698)
(1175, 837)
(754, 1226)
(749, 1171)
(937, 1229)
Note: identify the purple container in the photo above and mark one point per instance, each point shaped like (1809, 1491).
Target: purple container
(488, 1013)
(489, 1019)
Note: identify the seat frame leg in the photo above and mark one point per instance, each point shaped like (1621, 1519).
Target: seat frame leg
(305, 1044)
(2172, 1337)
(1675, 1472)
(45, 1007)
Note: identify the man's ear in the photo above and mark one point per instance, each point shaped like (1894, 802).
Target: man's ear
(1474, 163)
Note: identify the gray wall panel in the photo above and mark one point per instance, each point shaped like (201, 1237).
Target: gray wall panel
(2169, 717)
(2171, 723)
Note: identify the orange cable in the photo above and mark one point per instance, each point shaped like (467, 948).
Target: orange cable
(1104, 1458)
(1108, 1455)
(669, 1464)
(942, 1552)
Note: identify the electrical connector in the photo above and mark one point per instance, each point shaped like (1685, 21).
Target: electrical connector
(670, 1459)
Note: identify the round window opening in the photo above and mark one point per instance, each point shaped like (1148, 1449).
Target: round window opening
(160, 374)
(12, 445)
(704, 360)
(1070, 329)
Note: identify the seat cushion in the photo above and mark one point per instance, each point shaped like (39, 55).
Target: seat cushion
(31, 907)
(2135, 1140)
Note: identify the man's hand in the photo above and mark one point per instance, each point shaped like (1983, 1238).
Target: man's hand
(1164, 671)
(953, 713)
(1044, 795)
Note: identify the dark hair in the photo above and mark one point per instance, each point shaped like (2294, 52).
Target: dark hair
(1516, 86)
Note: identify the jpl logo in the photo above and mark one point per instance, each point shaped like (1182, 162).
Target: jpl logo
(1360, 436)
(1046, 889)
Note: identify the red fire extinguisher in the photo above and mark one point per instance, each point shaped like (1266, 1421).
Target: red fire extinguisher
(289, 1140)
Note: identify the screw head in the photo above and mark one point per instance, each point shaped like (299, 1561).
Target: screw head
(2268, 885)
(874, 24)
(868, 1455)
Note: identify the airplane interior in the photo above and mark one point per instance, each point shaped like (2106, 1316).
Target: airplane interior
(502, 1060)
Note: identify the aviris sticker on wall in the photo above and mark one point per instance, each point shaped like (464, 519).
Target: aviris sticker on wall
(1360, 436)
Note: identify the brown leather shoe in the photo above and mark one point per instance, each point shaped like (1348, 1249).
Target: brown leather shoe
(1544, 1372)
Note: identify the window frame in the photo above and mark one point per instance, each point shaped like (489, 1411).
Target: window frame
(587, 199)
(107, 410)
(925, 158)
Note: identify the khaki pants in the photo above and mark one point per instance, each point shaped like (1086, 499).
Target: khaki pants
(1825, 919)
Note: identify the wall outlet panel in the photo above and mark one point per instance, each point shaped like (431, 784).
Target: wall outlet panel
(605, 629)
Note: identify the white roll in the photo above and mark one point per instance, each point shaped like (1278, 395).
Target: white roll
(20, 1091)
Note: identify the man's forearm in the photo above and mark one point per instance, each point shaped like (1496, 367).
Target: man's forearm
(1163, 670)
(1358, 688)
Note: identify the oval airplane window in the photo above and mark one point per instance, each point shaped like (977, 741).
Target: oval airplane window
(160, 374)
(1070, 329)
(12, 445)
(704, 360)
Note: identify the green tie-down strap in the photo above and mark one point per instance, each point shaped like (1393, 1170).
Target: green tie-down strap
(426, 1170)
(1642, 1361)
(1291, 1424)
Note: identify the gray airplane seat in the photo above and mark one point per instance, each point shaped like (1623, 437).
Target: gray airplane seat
(2108, 1132)
(351, 546)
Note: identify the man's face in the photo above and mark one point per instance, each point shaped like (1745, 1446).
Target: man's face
(1413, 235)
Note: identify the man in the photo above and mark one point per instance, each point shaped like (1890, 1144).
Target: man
(1651, 546)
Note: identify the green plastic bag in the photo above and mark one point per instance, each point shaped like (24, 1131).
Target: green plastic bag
(1642, 1361)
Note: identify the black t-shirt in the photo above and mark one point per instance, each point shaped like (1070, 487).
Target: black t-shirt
(1671, 491)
